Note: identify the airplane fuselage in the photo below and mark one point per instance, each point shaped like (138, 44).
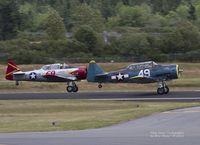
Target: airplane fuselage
(132, 75)
(50, 75)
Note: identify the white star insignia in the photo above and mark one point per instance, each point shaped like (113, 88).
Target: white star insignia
(32, 76)
(120, 76)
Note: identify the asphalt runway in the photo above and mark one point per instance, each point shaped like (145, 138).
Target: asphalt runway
(176, 127)
(137, 96)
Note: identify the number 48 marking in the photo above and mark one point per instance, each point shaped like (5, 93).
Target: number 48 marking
(145, 73)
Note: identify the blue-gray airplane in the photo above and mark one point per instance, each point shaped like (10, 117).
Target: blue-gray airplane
(139, 73)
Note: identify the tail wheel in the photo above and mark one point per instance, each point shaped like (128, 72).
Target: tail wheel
(17, 83)
(100, 86)
(70, 89)
(161, 91)
(75, 88)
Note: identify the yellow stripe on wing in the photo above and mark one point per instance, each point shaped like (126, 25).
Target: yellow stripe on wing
(137, 77)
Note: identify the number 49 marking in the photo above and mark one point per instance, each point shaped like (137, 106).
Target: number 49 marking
(145, 73)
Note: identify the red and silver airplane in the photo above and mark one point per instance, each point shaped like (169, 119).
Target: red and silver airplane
(49, 73)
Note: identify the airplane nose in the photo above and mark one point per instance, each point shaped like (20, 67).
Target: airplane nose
(178, 71)
(82, 73)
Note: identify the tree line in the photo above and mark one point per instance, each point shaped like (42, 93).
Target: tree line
(43, 31)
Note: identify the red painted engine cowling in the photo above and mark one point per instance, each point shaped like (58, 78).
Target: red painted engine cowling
(81, 73)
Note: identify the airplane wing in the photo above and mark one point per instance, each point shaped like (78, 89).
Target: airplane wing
(61, 77)
(143, 79)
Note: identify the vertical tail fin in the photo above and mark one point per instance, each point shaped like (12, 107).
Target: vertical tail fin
(11, 68)
(93, 70)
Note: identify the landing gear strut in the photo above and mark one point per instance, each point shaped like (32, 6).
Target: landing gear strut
(17, 83)
(163, 88)
(71, 87)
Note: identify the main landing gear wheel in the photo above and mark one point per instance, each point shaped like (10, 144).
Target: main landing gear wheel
(166, 88)
(75, 89)
(72, 87)
(69, 89)
(163, 89)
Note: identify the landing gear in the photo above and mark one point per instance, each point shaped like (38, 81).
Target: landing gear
(163, 88)
(17, 83)
(75, 88)
(100, 85)
(166, 88)
(72, 87)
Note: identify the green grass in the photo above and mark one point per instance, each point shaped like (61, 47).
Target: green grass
(38, 115)
(186, 82)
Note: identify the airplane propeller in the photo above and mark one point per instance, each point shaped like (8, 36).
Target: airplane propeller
(180, 71)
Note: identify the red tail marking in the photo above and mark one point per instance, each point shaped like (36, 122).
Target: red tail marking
(12, 67)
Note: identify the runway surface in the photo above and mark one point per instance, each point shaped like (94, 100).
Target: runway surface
(138, 96)
(177, 127)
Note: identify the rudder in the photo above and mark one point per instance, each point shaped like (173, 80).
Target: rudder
(11, 68)
(93, 70)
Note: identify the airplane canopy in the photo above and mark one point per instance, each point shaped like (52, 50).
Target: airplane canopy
(142, 65)
(56, 66)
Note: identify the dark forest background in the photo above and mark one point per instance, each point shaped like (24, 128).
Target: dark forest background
(45, 31)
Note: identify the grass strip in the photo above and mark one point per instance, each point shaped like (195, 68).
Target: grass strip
(59, 115)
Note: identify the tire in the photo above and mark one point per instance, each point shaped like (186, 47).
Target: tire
(161, 91)
(166, 89)
(69, 89)
(100, 86)
(75, 89)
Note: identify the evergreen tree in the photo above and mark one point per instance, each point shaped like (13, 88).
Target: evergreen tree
(164, 6)
(9, 19)
(85, 15)
(55, 26)
(192, 13)
(106, 8)
(87, 36)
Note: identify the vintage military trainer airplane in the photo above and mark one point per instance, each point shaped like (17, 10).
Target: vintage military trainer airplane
(140, 73)
(49, 73)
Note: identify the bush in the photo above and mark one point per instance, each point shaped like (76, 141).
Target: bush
(134, 44)
(30, 57)
(88, 37)
(41, 52)
(183, 39)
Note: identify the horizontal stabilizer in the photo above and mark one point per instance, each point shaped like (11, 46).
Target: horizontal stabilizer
(19, 73)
